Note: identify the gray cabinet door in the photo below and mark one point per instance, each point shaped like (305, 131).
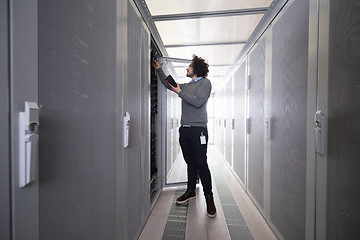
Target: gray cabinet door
(256, 114)
(5, 124)
(239, 128)
(289, 99)
(137, 103)
(338, 195)
(228, 128)
(23, 87)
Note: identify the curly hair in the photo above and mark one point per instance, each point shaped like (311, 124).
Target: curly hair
(200, 67)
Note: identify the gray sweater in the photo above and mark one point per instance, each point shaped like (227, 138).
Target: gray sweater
(194, 97)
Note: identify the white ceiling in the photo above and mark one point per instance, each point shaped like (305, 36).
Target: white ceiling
(162, 7)
(215, 30)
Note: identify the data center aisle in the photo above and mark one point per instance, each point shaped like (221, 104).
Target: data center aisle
(237, 217)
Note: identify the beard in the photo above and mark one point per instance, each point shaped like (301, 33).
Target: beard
(190, 75)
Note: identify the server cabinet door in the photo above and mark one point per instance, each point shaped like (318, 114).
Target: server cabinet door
(289, 101)
(239, 165)
(256, 114)
(223, 121)
(5, 124)
(229, 116)
(338, 195)
(137, 103)
(23, 88)
(173, 164)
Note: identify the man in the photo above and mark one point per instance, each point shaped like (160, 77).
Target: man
(193, 131)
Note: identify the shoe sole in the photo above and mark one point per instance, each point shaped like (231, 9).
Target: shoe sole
(214, 215)
(185, 201)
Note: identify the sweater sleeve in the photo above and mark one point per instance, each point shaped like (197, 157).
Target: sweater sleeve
(162, 77)
(200, 97)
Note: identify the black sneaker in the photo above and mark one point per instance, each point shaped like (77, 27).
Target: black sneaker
(189, 194)
(211, 209)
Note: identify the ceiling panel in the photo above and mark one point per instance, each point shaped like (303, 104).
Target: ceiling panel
(162, 7)
(216, 31)
(205, 30)
(214, 55)
(218, 71)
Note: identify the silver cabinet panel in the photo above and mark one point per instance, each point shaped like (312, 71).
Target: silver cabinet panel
(137, 103)
(256, 114)
(77, 85)
(343, 154)
(239, 116)
(223, 121)
(228, 128)
(5, 226)
(289, 111)
(23, 72)
(221, 115)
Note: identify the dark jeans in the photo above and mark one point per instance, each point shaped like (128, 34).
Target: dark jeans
(195, 156)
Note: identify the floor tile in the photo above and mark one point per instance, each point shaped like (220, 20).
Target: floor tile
(154, 228)
(199, 226)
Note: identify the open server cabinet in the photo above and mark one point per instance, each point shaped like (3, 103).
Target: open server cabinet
(165, 121)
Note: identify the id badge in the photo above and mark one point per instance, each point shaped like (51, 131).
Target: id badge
(202, 139)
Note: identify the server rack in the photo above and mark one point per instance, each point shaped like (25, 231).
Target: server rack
(154, 128)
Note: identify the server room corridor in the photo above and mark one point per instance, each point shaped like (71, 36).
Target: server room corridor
(89, 134)
(237, 216)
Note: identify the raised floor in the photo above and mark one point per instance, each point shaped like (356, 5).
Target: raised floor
(237, 217)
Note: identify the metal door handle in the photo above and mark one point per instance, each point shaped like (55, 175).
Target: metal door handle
(126, 129)
(28, 143)
(32, 152)
(319, 132)
(247, 125)
(268, 127)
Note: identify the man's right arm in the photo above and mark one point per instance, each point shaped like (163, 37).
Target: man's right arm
(160, 74)
(162, 77)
